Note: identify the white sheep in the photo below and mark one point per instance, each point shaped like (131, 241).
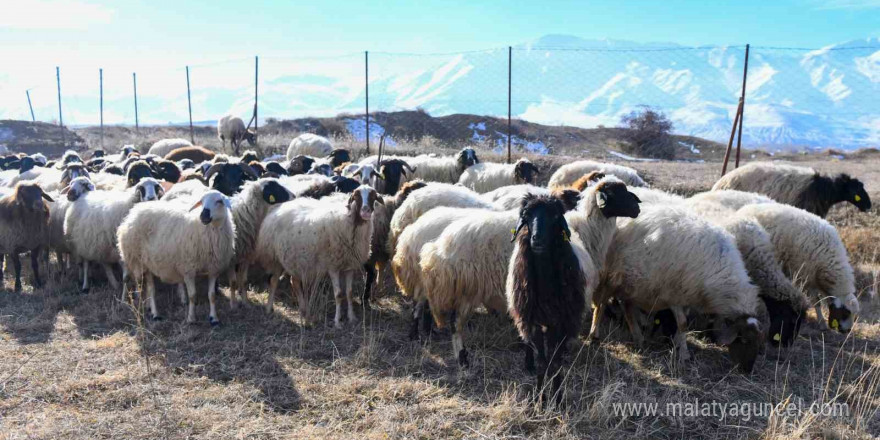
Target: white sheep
(653, 195)
(731, 199)
(310, 239)
(569, 173)
(176, 244)
(90, 224)
(485, 177)
(310, 145)
(798, 186)
(162, 147)
(232, 128)
(670, 258)
(58, 210)
(812, 252)
(446, 169)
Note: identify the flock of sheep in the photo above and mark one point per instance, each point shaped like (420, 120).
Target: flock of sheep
(745, 260)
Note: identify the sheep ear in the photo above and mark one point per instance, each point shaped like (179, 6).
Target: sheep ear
(227, 202)
(65, 190)
(601, 198)
(522, 222)
(566, 233)
(46, 196)
(199, 203)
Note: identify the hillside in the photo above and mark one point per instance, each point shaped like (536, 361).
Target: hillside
(37, 137)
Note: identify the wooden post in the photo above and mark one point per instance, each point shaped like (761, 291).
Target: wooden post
(60, 116)
(509, 87)
(256, 95)
(28, 92)
(101, 100)
(189, 105)
(730, 142)
(742, 104)
(134, 79)
(367, 94)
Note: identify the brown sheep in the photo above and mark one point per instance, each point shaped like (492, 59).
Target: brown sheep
(587, 179)
(195, 153)
(24, 226)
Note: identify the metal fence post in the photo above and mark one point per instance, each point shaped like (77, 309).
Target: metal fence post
(367, 95)
(60, 117)
(509, 87)
(134, 79)
(28, 92)
(256, 95)
(101, 100)
(189, 105)
(742, 112)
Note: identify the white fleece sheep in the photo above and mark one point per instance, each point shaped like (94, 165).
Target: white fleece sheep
(484, 177)
(730, 198)
(58, 211)
(176, 243)
(162, 147)
(91, 222)
(310, 145)
(310, 239)
(445, 169)
(670, 258)
(509, 197)
(430, 197)
(569, 173)
(811, 252)
(653, 195)
(232, 128)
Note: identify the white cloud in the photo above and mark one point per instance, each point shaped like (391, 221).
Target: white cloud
(54, 14)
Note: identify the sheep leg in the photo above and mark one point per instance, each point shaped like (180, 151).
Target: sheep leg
(370, 272)
(598, 311)
(681, 335)
(212, 297)
(529, 357)
(242, 281)
(537, 338)
(630, 313)
(233, 286)
(16, 264)
(191, 290)
(273, 286)
(418, 314)
(823, 324)
(151, 294)
(181, 291)
(337, 295)
(349, 277)
(126, 277)
(557, 343)
(85, 284)
(111, 277)
(380, 276)
(35, 267)
(457, 323)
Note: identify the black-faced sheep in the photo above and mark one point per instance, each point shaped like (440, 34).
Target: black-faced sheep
(228, 178)
(802, 187)
(339, 156)
(24, 227)
(392, 172)
(446, 169)
(300, 164)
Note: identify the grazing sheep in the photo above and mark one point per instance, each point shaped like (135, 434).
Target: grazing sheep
(24, 227)
(731, 199)
(58, 210)
(812, 252)
(569, 173)
(169, 241)
(91, 222)
(797, 186)
(232, 128)
(485, 177)
(310, 145)
(194, 153)
(550, 280)
(379, 255)
(249, 208)
(466, 265)
(447, 169)
(276, 168)
(163, 147)
(670, 258)
(332, 239)
(187, 189)
(786, 305)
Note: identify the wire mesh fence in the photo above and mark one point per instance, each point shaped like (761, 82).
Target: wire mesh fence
(559, 99)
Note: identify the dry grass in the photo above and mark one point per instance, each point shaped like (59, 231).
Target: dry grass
(82, 366)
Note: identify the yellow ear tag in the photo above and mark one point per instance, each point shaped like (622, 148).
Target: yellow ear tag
(656, 321)
(834, 324)
(271, 198)
(858, 198)
(564, 236)
(777, 337)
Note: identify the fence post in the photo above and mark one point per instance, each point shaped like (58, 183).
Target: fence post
(60, 117)
(367, 94)
(189, 105)
(742, 100)
(28, 92)
(509, 87)
(134, 79)
(256, 95)
(101, 99)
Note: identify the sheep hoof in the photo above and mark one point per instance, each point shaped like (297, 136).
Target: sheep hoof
(214, 322)
(337, 325)
(463, 361)
(158, 318)
(84, 291)
(18, 287)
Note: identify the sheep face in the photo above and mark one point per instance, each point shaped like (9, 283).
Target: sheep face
(392, 170)
(137, 171)
(228, 178)
(249, 156)
(70, 157)
(842, 312)
(300, 165)
(467, 157)
(258, 168)
(615, 201)
(525, 171)
(26, 164)
(274, 192)
(743, 337)
(339, 156)
(545, 219)
(853, 191)
(97, 154)
(344, 184)
(323, 169)
(275, 167)
(73, 171)
(362, 202)
(31, 196)
(77, 187)
(363, 173)
(149, 189)
(785, 321)
(186, 164)
(215, 207)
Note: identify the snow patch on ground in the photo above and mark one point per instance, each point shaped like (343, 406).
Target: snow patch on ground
(630, 158)
(358, 129)
(275, 158)
(691, 147)
(528, 146)
(6, 134)
(476, 128)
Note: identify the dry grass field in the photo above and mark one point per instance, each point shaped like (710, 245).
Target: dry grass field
(78, 366)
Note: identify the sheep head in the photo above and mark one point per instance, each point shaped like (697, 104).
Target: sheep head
(149, 189)
(467, 157)
(215, 207)
(614, 200)
(73, 171)
(136, 171)
(743, 337)
(544, 216)
(77, 187)
(275, 167)
(339, 156)
(30, 196)
(842, 312)
(273, 192)
(853, 191)
(228, 178)
(300, 164)
(525, 171)
(361, 204)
